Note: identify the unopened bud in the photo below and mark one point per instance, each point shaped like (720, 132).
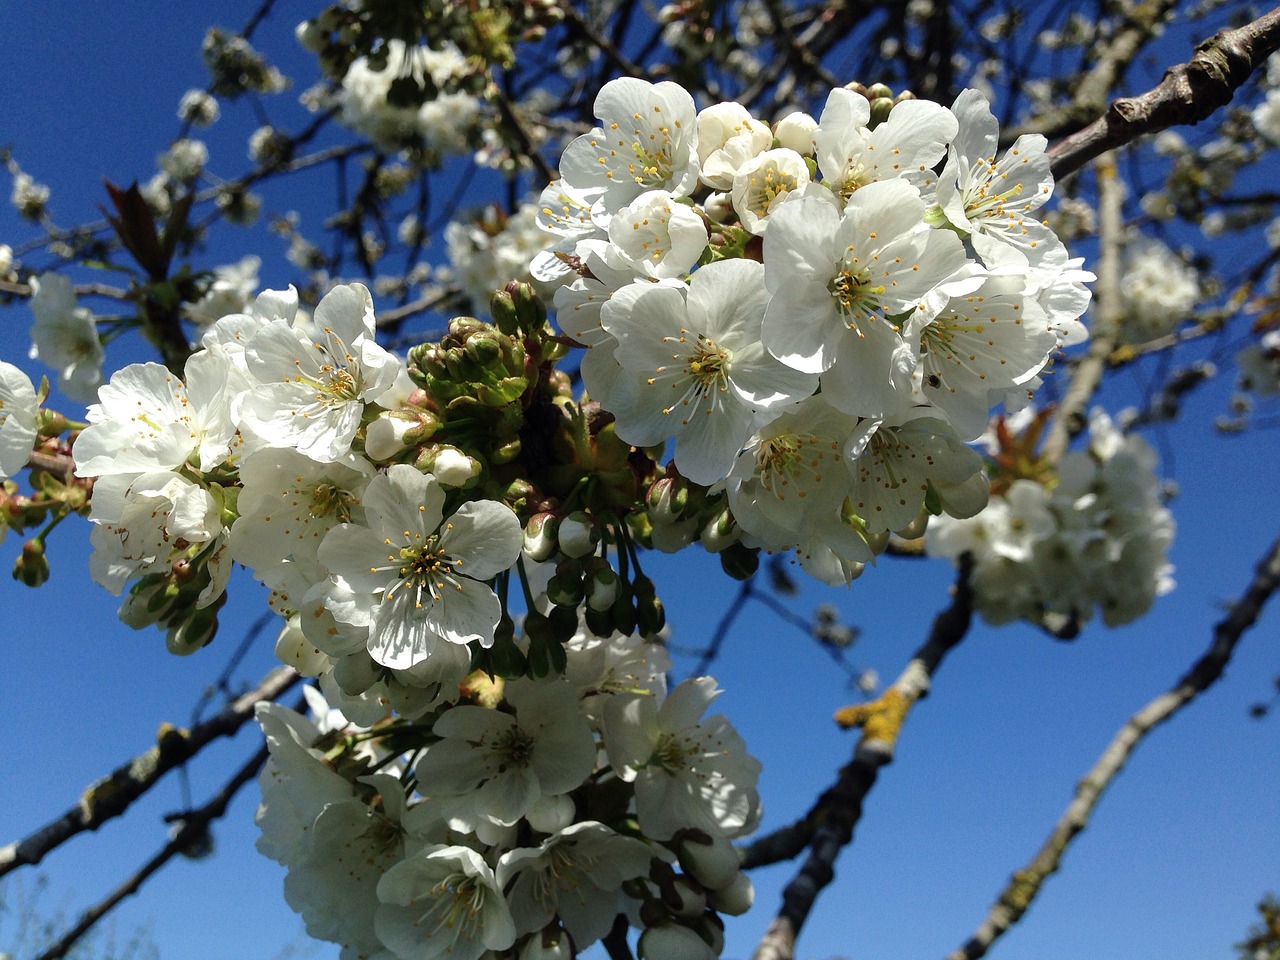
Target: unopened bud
(711, 860)
(740, 562)
(578, 534)
(550, 944)
(720, 531)
(684, 897)
(601, 584)
(193, 633)
(384, 437)
(672, 942)
(31, 567)
(541, 536)
(736, 898)
(795, 132)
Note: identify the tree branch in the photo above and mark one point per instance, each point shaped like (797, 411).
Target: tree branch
(113, 794)
(830, 824)
(190, 834)
(1025, 884)
(1189, 93)
(1070, 418)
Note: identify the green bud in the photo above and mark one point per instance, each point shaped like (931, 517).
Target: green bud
(31, 567)
(880, 108)
(601, 584)
(502, 307)
(624, 613)
(540, 536)
(600, 622)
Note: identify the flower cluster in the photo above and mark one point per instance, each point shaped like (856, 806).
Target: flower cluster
(1097, 538)
(813, 316)
(1158, 290)
(384, 101)
(521, 820)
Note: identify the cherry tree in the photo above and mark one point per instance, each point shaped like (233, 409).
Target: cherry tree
(816, 290)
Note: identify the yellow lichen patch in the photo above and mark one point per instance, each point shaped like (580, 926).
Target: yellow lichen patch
(880, 720)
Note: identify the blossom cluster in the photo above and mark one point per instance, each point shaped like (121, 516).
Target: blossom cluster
(370, 104)
(520, 822)
(1098, 539)
(815, 317)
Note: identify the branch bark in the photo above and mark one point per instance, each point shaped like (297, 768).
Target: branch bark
(1190, 92)
(831, 822)
(1024, 886)
(113, 794)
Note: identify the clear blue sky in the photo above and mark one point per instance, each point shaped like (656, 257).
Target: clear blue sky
(1179, 850)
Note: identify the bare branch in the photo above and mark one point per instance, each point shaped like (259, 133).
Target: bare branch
(1025, 884)
(113, 794)
(831, 821)
(1190, 92)
(1070, 418)
(192, 832)
(1141, 23)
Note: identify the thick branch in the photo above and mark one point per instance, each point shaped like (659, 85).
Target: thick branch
(191, 834)
(113, 794)
(1189, 93)
(1141, 22)
(1025, 884)
(838, 810)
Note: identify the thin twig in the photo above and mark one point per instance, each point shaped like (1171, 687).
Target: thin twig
(1104, 330)
(192, 832)
(1025, 884)
(838, 810)
(1190, 92)
(113, 794)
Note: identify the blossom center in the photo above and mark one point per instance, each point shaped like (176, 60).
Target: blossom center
(330, 500)
(855, 295)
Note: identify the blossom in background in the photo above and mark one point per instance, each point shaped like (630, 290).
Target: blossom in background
(1158, 290)
(65, 337)
(230, 291)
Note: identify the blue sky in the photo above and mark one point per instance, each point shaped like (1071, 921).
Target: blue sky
(1169, 869)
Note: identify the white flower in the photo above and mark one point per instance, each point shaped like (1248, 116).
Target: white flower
(143, 523)
(18, 407)
(184, 160)
(415, 577)
(838, 283)
(991, 339)
(993, 200)
(687, 772)
(728, 136)
(893, 465)
(647, 140)
(695, 368)
(908, 144)
(65, 337)
(442, 903)
(198, 108)
(311, 393)
(505, 764)
(795, 132)
(288, 502)
(660, 236)
(765, 182)
(575, 873)
(148, 419)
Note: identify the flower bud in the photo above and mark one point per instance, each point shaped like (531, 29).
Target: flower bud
(541, 536)
(736, 898)
(549, 814)
(720, 531)
(684, 897)
(193, 633)
(710, 859)
(578, 534)
(795, 132)
(601, 584)
(672, 942)
(311, 36)
(667, 499)
(384, 437)
(31, 567)
(548, 944)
